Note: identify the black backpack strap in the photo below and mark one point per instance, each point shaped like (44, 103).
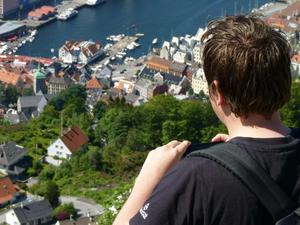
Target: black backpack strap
(242, 165)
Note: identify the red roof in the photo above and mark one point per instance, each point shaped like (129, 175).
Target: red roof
(44, 10)
(8, 77)
(74, 139)
(93, 83)
(7, 190)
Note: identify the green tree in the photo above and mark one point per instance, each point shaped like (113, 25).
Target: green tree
(99, 110)
(290, 113)
(49, 190)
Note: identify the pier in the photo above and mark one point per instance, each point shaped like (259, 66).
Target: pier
(117, 47)
(75, 4)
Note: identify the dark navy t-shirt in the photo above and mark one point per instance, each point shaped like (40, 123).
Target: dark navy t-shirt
(199, 191)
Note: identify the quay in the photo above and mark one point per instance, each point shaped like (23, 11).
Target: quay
(117, 47)
(75, 4)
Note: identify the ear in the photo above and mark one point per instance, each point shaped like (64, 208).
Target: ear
(216, 95)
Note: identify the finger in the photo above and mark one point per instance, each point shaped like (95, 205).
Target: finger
(172, 144)
(182, 147)
(220, 138)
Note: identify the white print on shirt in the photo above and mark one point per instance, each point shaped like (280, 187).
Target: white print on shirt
(142, 211)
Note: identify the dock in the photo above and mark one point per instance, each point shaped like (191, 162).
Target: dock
(75, 4)
(117, 47)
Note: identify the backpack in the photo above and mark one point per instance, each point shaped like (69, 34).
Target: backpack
(237, 161)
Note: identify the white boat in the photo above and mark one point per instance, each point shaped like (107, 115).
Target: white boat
(120, 56)
(33, 33)
(140, 35)
(155, 40)
(113, 58)
(94, 2)
(69, 13)
(136, 44)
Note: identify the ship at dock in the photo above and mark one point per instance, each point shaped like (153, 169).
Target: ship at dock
(94, 2)
(69, 13)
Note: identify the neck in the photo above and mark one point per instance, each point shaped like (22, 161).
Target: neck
(256, 126)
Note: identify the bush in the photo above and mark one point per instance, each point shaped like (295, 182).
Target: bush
(64, 211)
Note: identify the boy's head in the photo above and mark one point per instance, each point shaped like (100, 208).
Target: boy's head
(251, 63)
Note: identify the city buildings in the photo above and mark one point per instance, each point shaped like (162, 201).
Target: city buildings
(11, 29)
(57, 83)
(8, 7)
(42, 13)
(81, 52)
(199, 83)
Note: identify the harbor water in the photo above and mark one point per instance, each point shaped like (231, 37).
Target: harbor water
(160, 19)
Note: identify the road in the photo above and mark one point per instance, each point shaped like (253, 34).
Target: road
(84, 206)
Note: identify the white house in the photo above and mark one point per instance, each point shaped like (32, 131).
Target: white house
(180, 57)
(197, 53)
(199, 82)
(82, 52)
(67, 144)
(34, 213)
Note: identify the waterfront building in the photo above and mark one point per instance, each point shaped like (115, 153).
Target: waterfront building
(8, 7)
(82, 52)
(165, 51)
(37, 212)
(39, 82)
(57, 84)
(199, 83)
(180, 57)
(42, 13)
(11, 30)
(197, 53)
(69, 143)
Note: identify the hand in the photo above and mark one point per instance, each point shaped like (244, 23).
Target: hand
(220, 138)
(160, 160)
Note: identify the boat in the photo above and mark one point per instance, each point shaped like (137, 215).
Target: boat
(140, 35)
(33, 33)
(155, 40)
(94, 2)
(113, 58)
(136, 44)
(120, 56)
(69, 13)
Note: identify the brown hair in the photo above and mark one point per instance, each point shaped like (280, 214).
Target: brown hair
(251, 61)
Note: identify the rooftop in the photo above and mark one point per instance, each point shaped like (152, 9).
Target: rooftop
(33, 211)
(74, 139)
(7, 190)
(10, 26)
